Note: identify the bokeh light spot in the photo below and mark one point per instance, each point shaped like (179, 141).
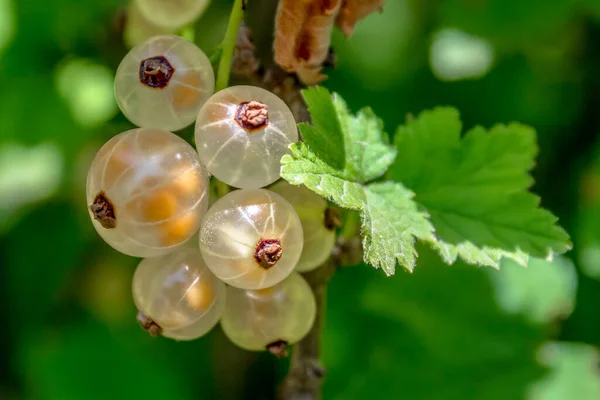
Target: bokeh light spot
(590, 261)
(28, 175)
(88, 90)
(455, 55)
(7, 22)
(542, 291)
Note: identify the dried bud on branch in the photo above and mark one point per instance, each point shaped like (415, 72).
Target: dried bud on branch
(302, 36)
(244, 61)
(303, 32)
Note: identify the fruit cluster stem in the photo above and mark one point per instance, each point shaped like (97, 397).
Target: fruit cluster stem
(228, 44)
(306, 374)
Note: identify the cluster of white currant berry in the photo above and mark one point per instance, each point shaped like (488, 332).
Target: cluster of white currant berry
(148, 190)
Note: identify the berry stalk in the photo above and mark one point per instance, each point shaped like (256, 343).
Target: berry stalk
(228, 45)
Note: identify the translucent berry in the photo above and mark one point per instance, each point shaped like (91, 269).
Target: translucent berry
(138, 29)
(251, 238)
(241, 134)
(319, 235)
(171, 13)
(162, 83)
(147, 192)
(271, 318)
(177, 296)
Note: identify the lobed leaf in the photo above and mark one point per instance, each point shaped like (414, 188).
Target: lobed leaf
(465, 196)
(475, 189)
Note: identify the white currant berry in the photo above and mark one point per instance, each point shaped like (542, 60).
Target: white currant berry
(241, 134)
(177, 295)
(138, 29)
(271, 318)
(172, 13)
(147, 192)
(251, 238)
(319, 235)
(162, 83)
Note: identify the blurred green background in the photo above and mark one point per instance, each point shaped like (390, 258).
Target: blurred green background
(460, 332)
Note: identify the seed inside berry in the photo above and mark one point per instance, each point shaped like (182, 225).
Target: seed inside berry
(104, 211)
(268, 252)
(252, 115)
(156, 72)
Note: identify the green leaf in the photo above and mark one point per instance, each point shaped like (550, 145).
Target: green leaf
(339, 154)
(475, 189)
(325, 136)
(304, 167)
(390, 219)
(356, 146)
(390, 222)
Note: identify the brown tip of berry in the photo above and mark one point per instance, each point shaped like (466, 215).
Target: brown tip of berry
(268, 252)
(252, 115)
(278, 348)
(156, 72)
(104, 211)
(148, 324)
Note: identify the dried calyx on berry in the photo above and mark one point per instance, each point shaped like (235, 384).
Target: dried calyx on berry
(148, 324)
(252, 115)
(268, 252)
(103, 211)
(278, 348)
(156, 72)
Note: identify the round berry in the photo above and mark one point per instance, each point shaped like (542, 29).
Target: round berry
(147, 192)
(319, 238)
(138, 29)
(171, 13)
(177, 296)
(271, 318)
(241, 134)
(251, 238)
(162, 83)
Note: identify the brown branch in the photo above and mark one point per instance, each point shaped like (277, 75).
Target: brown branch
(306, 374)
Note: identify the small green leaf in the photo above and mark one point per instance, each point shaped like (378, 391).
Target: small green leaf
(390, 219)
(304, 168)
(339, 154)
(369, 151)
(325, 136)
(356, 146)
(475, 189)
(390, 222)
